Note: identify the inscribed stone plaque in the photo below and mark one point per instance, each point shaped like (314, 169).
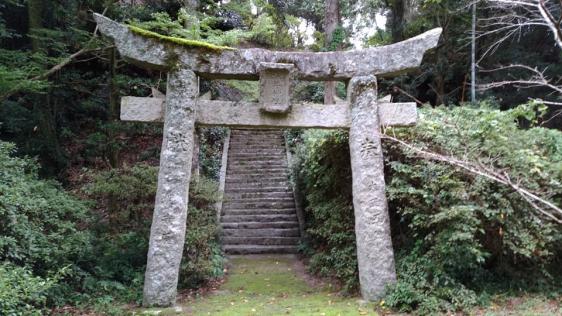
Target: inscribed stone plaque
(275, 86)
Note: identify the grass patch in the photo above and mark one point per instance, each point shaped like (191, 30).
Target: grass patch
(178, 41)
(269, 286)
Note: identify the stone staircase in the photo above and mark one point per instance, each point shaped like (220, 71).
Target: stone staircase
(258, 212)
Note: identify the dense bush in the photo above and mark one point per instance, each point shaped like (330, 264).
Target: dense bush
(127, 194)
(460, 231)
(202, 257)
(54, 250)
(322, 171)
(21, 293)
(456, 235)
(41, 230)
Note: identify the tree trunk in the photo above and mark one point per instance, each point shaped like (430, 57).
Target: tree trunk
(401, 13)
(473, 57)
(35, 20)
(331, 21)
(396, 20)
(113, 109)
(192, 5)
(51, 152)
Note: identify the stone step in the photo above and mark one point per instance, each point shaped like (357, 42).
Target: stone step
(245, 187)
(254, 195)
(270, 143)
(257, 141)
(255, 148)
(257, 132)
(260, 171)
(258, 180)
(259, 225)
(266, 199)
(257, 165)
(259, 157)
(258, 205)
(251, 177)
(256, 185)
(238, 189)
(262, 232)
(238, 167)
(273, 211)
(249, 151)
(258, 249)
(272, 241)
(227, 218)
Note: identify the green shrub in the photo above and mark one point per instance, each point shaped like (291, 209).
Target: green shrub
(41, 229)
(457, 236)
(464, 232)
(323, 173)
(21, 293)
(128, 195)
(39, 222)
(202, 256)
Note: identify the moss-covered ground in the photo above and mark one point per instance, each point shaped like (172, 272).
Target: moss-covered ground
(270, 285)
(277, 285)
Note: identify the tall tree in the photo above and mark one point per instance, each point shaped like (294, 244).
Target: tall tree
(332, 20)
(401, 13)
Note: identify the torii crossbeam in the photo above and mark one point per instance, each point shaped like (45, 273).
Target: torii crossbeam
(181, 110)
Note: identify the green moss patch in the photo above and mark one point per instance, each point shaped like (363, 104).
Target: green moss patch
(269, 285)
(178, 41)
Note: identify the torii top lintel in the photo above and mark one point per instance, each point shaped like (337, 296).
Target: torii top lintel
(245, 63)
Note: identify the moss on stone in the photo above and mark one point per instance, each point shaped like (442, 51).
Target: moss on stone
(178, 41)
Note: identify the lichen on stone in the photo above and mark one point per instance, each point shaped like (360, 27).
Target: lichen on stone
(178, 41)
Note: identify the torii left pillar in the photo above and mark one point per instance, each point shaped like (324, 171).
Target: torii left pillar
(167, 233)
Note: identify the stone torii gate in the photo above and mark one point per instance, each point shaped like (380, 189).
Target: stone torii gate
(181, 110)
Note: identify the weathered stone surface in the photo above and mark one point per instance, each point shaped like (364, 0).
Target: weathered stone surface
(251, 222)
(247, 114)
(244, 63)
(142, 109)
(222, 175)
(167, 233)
(375, 255)
(275, 87)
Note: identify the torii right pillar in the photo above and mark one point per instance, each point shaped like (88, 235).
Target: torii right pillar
(375, 255)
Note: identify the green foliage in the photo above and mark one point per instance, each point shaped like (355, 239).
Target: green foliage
(338, 38)
(199, 31)
(314, 91)
(322, 172)
(39, 223)
(202, 256)
(21, 293)
(70, 257)
(458, 236)
(211, 142)
(127, 195)
(465, 231)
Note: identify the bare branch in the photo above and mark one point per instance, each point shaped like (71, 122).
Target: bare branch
(513, 17)
(548, 208)
(537, 79)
